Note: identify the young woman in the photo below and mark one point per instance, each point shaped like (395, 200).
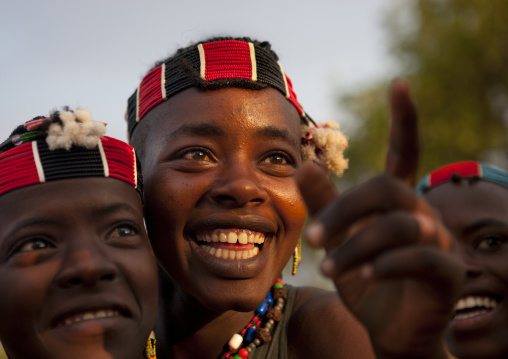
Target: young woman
(220, 135)
(472, 198)
(77, 272)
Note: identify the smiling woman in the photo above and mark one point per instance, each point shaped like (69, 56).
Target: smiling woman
(472, 199)
(220, 135)
(74, 253)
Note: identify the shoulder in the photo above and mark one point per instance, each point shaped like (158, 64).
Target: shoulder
(321, 326)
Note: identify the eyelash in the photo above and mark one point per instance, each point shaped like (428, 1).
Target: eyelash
(500, 240)
(17, 249)
(290, 161)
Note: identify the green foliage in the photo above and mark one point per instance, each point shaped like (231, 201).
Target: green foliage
(455, 55)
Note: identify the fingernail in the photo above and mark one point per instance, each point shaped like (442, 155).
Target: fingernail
(427, 227)
(314, 233)
(328, 267)
(366, 271)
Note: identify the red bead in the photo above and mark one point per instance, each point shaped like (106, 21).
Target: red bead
(243, 353)
(243, 331)
(249, 325)
(278, 281)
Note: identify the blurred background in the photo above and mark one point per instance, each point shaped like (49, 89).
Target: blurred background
(341, 56)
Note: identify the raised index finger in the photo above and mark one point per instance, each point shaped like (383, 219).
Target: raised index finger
(404, 139)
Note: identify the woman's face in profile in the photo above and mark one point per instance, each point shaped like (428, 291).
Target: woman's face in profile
(222, 207)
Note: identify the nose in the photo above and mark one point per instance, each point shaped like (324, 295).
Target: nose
(85, 264)
(467, 255)
(238, 186)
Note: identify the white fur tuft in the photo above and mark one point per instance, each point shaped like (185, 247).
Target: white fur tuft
(76, 129)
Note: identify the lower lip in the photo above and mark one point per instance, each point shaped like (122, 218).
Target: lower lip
(234, 269)
(477, 322)
(93, 327)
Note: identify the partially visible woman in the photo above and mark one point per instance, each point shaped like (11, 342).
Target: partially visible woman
(77, 272)
(472, 198)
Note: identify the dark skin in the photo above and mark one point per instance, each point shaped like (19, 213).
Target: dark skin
(234, 168)
(476, 212)
(81, 273)
(385, 245)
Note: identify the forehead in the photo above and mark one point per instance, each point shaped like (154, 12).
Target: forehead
(65, 197)
(463, 203)
(233, 109)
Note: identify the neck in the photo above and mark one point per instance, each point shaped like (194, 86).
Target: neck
(186, 329)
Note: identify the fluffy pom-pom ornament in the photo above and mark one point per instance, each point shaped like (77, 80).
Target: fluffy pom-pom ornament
(76, 129)
(325, 144)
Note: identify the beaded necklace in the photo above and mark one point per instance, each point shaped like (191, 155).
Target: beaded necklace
(258, 331)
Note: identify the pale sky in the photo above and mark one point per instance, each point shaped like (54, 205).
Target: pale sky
(93, 53)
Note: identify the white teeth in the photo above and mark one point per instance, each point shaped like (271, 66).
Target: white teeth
(242, 238)
(232, 237)
(90, 315)
(230, 254)
(471, 302)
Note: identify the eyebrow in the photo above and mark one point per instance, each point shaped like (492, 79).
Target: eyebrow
(203, 129)
(113, 208)
(485, 222)
(277, 133)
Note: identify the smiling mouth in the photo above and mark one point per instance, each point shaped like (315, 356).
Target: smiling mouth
(473, 306)
(231, 244)
(89, 315)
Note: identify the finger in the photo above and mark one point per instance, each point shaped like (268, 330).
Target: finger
(424, 263)
(395, 229)
(404, 140)
(316, 187)
(379, 195)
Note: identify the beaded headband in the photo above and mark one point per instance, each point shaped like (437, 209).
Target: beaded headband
(467, 169)
(231, 63)
(214, 62)
(69, 145)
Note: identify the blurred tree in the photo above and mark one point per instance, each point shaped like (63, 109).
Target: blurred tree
(455, 55)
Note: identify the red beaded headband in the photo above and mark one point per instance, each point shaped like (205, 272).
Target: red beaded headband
(466, 169)
(233, 61)
(32, 161)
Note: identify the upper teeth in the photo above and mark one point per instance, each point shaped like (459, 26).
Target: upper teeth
(473, 302)
(241, 236)
(97, 314)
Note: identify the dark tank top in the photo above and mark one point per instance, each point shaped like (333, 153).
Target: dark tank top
(277, 348)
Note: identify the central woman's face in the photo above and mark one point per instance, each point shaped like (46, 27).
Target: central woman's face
(222, 207)
(477, 214)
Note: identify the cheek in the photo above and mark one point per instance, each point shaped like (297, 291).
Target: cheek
(23, 294)
(292, 208)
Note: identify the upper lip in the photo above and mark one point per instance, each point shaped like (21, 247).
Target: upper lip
(88, 305)
(254, 223)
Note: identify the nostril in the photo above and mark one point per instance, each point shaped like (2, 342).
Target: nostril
(108, 277)
(75, 281)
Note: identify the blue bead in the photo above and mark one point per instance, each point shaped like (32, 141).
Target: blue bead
(269, 298)
(262, 308)
(249, 336)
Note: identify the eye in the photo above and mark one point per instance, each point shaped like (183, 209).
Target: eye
(278, 158)
(34, 244)
(124, 230)
(490, 244)
(197, 155)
